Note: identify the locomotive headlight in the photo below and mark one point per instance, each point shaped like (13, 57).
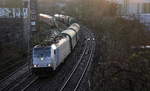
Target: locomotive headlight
(35, 65)
(42, 58)
(49, 65)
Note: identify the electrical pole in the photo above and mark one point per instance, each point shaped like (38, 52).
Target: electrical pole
(33, 15)
(27, 29)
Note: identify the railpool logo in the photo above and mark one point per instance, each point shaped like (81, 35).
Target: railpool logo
(13, 12)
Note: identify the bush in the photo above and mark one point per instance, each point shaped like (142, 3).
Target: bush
(121, 68)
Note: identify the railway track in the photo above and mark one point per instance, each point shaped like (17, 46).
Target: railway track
(77, 74)
(28, 85)
(13, 73)
(15, 79)
(21, 83)
(5, 71)
(24, 84)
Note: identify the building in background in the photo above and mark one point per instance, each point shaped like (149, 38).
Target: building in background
(11, 3)
(14, 29)
(130, 7)
(138, 8)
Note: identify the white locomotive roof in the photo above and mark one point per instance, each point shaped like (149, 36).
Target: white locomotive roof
(61, 41)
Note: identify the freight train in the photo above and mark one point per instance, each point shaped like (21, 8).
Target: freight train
(53, 54)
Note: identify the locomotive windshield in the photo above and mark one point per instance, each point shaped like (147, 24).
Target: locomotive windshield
(42, 52)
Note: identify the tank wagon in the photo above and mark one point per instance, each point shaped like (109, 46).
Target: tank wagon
(53, 54)
(65, 19)
(51, 21)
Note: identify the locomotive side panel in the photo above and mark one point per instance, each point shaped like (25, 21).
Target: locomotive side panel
(63, 51)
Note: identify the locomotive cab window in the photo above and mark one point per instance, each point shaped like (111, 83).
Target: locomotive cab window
(44, 52)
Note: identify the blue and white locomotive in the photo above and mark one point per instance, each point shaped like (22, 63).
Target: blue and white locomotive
(51, 56)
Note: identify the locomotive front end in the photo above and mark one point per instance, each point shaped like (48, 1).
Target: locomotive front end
(41, 57)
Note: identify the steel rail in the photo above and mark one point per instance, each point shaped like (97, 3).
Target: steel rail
(31, 82)
(8, 80)
(75, 68)
(30, 77)
(13, 73)
(21, 81)
(3, 70)
(85, 70)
